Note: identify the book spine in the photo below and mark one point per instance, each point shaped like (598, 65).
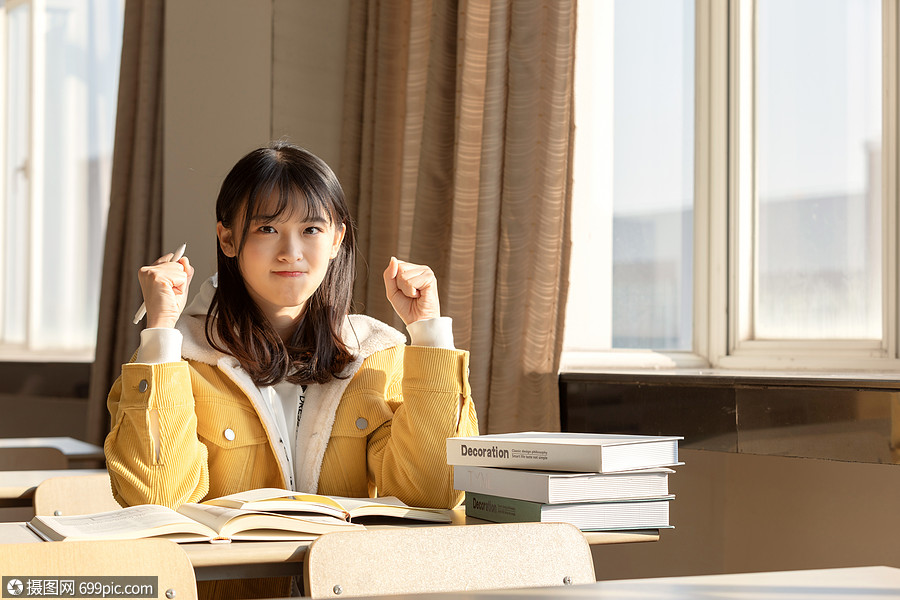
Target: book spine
(501, 510)
(509, 483)
(518, 455)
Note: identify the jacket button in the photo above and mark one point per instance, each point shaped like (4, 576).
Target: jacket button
(143, 385)
(229, 434)
(361, 423)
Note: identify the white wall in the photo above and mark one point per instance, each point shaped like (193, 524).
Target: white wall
(230, 86)
(310, 48)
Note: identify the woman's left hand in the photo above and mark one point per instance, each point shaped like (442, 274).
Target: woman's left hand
(412, 290)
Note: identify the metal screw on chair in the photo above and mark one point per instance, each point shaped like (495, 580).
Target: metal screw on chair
(170, 593)
(567, 580)
(338, 590)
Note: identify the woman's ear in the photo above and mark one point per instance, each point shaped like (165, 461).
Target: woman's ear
(338, 239)
(226, 240)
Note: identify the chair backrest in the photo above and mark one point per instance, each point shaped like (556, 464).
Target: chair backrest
(32, 458)
(414, 560)
(154, 561)
(74, 495)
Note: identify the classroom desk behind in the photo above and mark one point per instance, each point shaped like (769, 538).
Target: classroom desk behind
(857, 583)
(17, 487)
(239, 560)
(80, 454)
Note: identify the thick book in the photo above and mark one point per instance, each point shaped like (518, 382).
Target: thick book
(190, 523)
(564, 451)
(603, 515)
(555, 487)
(286, 501)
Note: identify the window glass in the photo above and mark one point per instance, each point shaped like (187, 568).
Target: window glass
(83, 42)
(818, 169)
(631, 284)
(62, 70)
(14, 299)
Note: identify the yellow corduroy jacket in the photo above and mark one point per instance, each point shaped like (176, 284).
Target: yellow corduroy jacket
(381, 430)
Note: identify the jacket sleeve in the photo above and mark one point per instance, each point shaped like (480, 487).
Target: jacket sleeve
(143, 399)
(407, 456)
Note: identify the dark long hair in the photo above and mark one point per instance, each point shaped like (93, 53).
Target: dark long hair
(235, 324)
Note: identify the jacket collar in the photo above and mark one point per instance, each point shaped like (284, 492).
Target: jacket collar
(363, 336)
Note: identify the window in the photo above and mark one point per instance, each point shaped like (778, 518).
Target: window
(58, 90)
(634, 163)
(734, 199)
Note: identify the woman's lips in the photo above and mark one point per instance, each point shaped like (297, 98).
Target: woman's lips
(288, 273)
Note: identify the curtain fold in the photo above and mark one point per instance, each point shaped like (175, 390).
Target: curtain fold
(456, 153)
(134, 225)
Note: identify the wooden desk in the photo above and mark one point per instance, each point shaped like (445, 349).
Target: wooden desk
(858, 583)
(17, 487)
(80, 454)
(239, 560)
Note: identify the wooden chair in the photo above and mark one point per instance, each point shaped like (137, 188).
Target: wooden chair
(162, 561)
(413, 560)
(74, 495)
(33, 458)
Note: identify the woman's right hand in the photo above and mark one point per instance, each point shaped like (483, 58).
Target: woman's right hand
(165, 287)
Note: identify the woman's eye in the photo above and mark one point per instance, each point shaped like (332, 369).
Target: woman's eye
(313, 230)
(266, 229)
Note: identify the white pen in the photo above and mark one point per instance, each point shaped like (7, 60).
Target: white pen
(143, 309)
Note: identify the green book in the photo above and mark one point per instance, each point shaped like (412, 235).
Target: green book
(644, 513)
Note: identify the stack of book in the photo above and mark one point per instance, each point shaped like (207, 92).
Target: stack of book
(594, 481)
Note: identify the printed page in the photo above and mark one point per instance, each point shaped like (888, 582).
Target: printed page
(274, 499)
(231, 522)
(144, 520)
(391, 506)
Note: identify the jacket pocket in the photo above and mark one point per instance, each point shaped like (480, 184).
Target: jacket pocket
(359, 416)
(345, 469)
(235, 440)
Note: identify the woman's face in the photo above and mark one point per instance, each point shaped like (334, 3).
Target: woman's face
(284, 259)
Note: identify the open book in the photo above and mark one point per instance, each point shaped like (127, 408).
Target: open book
(190, 523)
(308, 516)
(349, 509)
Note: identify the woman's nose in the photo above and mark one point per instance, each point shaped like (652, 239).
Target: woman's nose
(291, 250)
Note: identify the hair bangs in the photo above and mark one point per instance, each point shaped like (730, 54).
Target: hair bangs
(282, 193)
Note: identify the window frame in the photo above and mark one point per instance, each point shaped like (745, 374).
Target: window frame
(724, 216)
(31, 350)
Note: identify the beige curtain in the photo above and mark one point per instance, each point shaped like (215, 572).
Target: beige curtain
(456, 153)
(134, 226)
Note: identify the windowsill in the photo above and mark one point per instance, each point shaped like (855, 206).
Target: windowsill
(718, 377)
(849, 416)
(13, 355)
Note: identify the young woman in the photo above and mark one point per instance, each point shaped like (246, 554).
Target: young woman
(266, 380)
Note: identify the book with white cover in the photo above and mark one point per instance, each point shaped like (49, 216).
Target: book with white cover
(554, 487)
(603, 515)
(564, 451)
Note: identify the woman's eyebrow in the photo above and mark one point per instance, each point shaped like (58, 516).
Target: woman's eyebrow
(262, 218)
(309, 219)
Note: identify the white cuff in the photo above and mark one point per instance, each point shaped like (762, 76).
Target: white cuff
(159, 345)
(435, 333)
